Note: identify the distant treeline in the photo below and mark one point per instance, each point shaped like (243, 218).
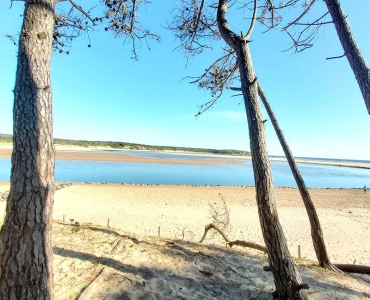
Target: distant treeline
(132, 146)
(6, 138)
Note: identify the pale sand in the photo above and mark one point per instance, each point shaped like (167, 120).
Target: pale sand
(141, 209)
(135, 266)
(344, 214)
(71, 152)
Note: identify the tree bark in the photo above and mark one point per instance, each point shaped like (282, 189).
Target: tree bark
(316, 231)
(287, 279)
(26, 252)
(351, 49)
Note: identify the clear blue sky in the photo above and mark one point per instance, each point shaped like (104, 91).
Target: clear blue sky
(101, 94)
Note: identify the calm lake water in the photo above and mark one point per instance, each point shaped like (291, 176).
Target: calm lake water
(318, 176)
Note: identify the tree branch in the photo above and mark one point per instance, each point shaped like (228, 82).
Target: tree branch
(252, 22)
(232, 243)
(227, 34)
(301, 15)
(79, 8)
(335, 57)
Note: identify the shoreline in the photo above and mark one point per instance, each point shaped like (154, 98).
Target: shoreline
(78, 153)
(68, 183)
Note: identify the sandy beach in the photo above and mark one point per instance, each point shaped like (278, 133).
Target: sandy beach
(129, 251)
(183, 212)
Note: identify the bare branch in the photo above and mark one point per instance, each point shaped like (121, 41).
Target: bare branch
(315, 24)
(79, 8)
(252, 22)
(335, 57)
(305, 37)
(121, 18)
(11, 38)
(308, 7)
(219, 75)
(232, 243)
(194, 26)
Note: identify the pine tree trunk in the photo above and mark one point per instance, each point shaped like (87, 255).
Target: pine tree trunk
(26, 252)
(351, 49)
(287, 279)
(286, 276)
(316, 231)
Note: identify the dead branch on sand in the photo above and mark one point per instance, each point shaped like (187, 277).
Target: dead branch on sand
(360, 269)
(221, 222)
(221, 218)
(88, 287)
(232, 243)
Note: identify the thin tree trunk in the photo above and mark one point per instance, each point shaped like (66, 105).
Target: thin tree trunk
(316, 231)
(351, 49)
(287, 279)
(26, 254)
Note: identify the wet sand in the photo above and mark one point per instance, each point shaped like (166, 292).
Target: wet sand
(94, 154)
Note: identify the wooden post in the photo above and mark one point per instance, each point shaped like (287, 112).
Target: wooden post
(299, 251)
(64, 219)
(159, 231)
(108, 223)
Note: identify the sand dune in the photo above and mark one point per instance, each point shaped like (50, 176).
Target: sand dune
(129, 261)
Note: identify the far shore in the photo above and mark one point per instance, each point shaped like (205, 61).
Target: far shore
(88, 154)
(71, 152)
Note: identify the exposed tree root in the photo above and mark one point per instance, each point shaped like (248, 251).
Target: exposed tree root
(232, 243)
(342, 267)
(361, 269)
(88, 287)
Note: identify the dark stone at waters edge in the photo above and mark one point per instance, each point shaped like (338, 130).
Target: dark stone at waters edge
(62, 185)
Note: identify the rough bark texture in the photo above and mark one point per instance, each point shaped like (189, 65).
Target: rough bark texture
(287, 279)
(26, 253)
(316, 231)
(351, 49)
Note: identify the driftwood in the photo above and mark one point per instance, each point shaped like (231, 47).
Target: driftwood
(361, 269)
(232, 243)
(88, 287)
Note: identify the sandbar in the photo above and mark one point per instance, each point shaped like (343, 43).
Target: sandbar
(78, 153)
(97, 155)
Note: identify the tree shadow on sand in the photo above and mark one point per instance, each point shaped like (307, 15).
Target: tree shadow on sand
(126, 281)
(168, 269)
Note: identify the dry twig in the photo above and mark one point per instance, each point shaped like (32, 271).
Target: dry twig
(233, 243)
